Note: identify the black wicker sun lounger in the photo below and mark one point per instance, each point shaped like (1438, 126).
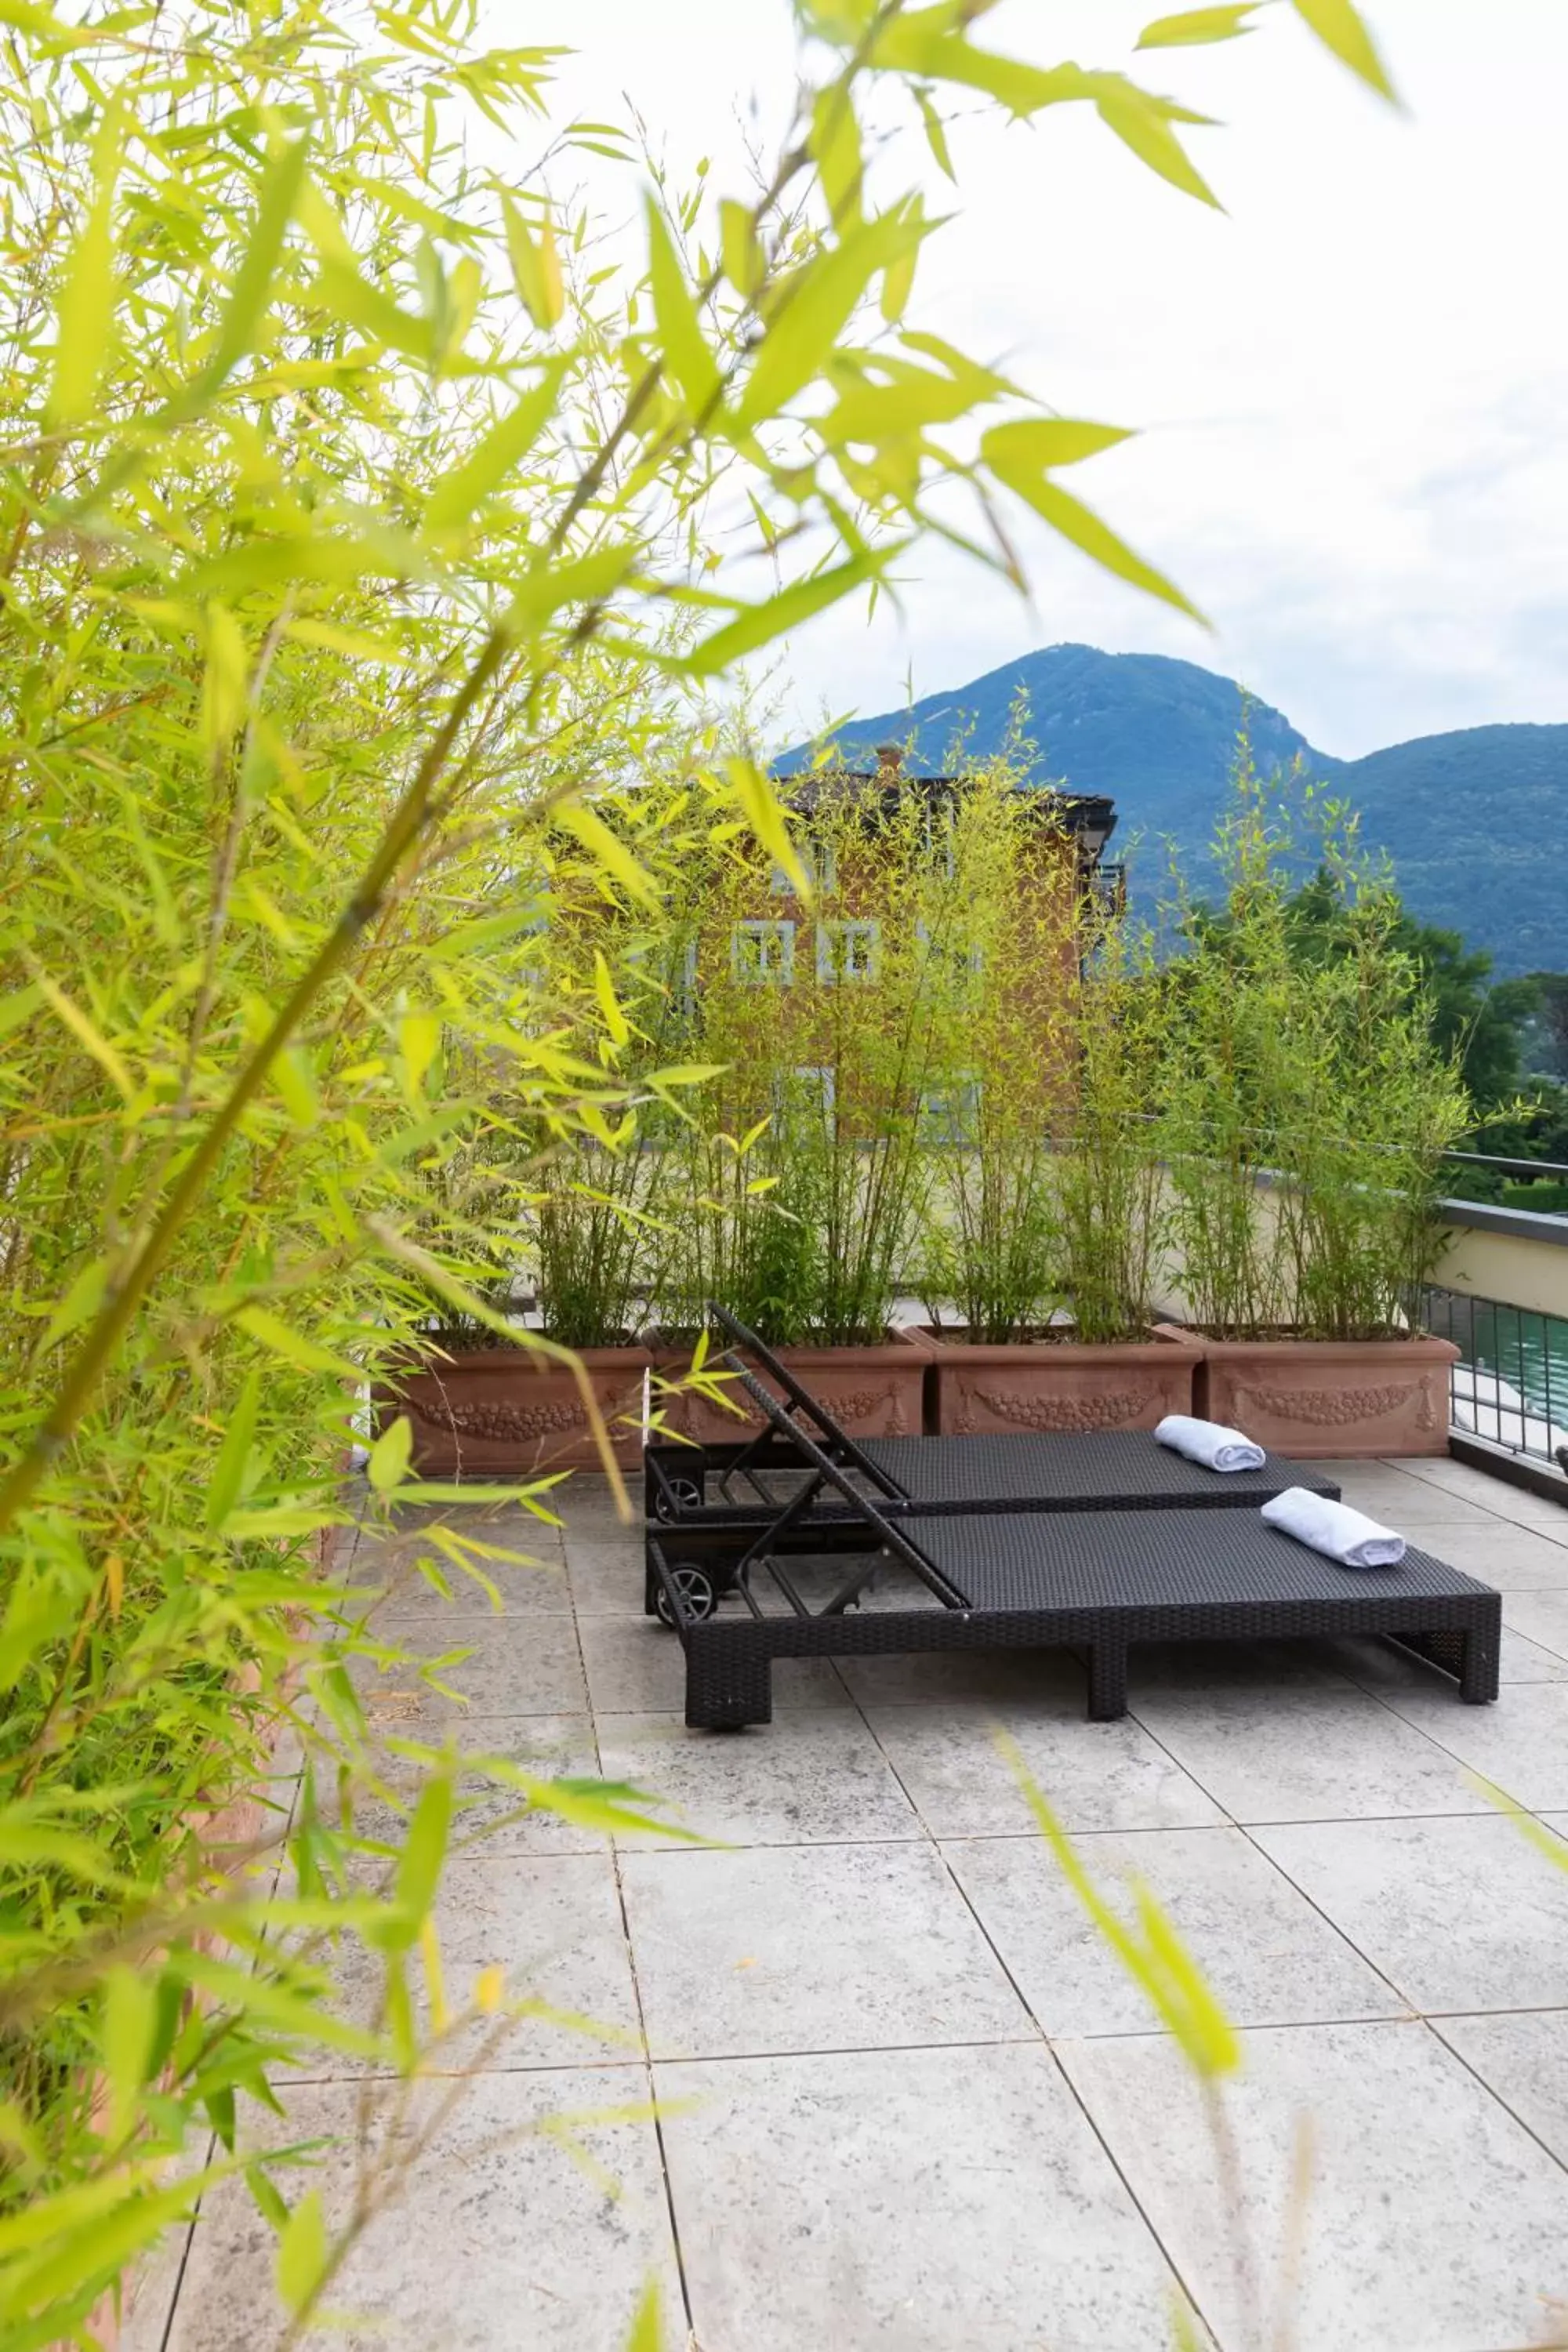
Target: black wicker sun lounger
(1094, 1580)
(739, 1485)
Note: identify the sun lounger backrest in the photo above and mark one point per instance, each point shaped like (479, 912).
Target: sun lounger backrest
(803, 1402)
(886, 1532)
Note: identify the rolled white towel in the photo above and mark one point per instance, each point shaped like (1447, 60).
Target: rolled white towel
(1209, 1442)
(1334, 1530)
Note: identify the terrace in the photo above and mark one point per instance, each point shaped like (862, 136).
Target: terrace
(860, 2072)
(420, 1008)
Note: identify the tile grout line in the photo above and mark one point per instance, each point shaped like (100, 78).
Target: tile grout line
(1418, 2015)
(1033, 2038)
(1447, 2017)
(1244, 1830)
(1536, 1812)
(1046, 2043)
(1438, 1486)
(649, 2078)
(167, 2330)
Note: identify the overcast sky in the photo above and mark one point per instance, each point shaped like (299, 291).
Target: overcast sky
(1353, 388)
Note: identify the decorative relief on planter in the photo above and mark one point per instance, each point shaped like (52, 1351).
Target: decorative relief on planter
(692, 1416)
(1337, 1408)
(515, 1424)
(1115, 1409)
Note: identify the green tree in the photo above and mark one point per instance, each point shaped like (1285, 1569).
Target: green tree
(1474, 1020)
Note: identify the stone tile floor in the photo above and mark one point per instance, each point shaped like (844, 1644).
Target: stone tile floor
(861, 2075)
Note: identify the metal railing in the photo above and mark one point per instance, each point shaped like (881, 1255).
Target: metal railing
(1510, 1384)
(1538, 1185)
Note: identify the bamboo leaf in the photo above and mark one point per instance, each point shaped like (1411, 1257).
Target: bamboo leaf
(1342, 28)
(390, 1455)
(85, 318)
(40, 24)
(936, 132)
(609, 1003)
(293, 1345)
(1142, 123)
(608, 1807)
(1038, 443)
(82, 1300)
(89, 1036)
(1198, 26)
(899, 278)
(435, 1980)
(225, 680)
(418, 1042)
(272, 1524)
(302, 2253)
(292, 1076)
(341, 290)
(228, 1481)
(419, 1865)
(1160, 1963)
(759, 625)
(817, 308)
(130, 2016)
(682, 345)
(546, 589)
(123, 2225)
(1085, 530)
(18, 1008)
(744, 264)
(460, 493)
(686, 1074)
(535, 266)
(759, 805)
(608, 849)
(280, 191)
(834, 143)
(647, 2335)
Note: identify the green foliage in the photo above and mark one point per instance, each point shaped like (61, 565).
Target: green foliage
(1110, 1208)
(1006, 960)
(831, 1017)
(1302, 1067)
(1471, 1024)
(1049, 1191)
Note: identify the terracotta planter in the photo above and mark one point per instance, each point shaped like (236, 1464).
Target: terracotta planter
(1317, 1398)
(1064, 1384)
(500, 1412)
(874, 1392)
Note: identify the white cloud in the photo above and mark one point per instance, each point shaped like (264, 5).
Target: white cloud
(1351, 385)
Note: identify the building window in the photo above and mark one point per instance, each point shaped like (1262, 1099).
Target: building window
(950, 1112)
(951, 948)
(762, 954)
(820, 861)
(850, 951)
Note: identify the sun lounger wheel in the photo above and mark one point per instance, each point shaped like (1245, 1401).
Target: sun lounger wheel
(686, 1492)
(696, 1589)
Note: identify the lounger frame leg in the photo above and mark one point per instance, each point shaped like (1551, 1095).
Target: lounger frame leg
(1478, 1666)
(1107, 1679)
(727, 1695)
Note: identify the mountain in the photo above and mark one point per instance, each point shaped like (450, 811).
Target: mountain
(1475, 823)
